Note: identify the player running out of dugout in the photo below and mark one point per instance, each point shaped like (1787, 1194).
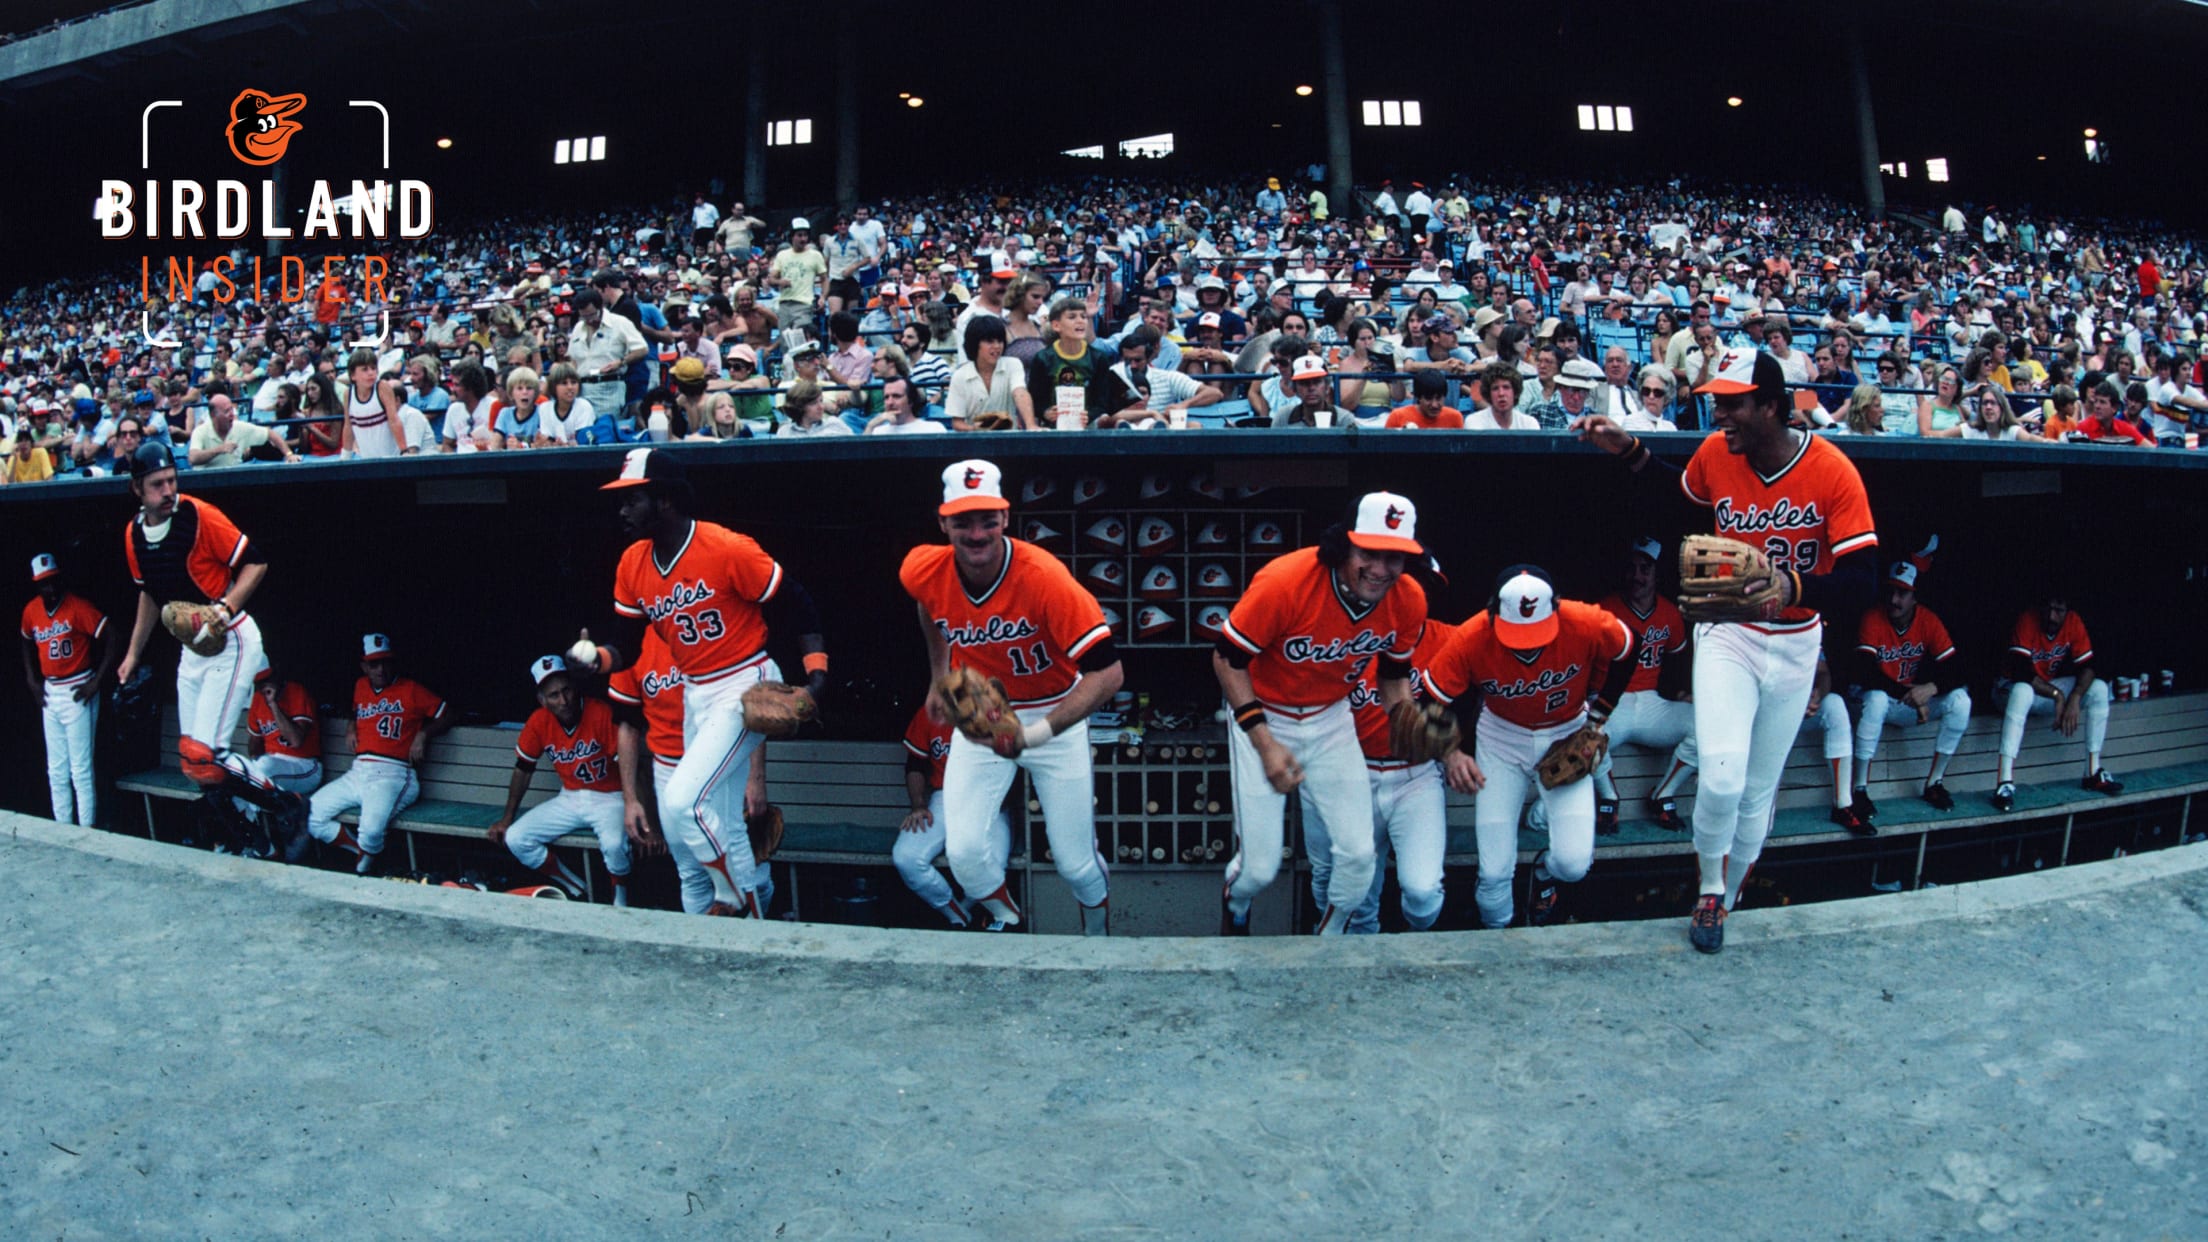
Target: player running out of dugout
(1800, 505)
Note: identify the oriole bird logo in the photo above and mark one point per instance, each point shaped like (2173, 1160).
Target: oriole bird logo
(1393, 517)
(260, 127)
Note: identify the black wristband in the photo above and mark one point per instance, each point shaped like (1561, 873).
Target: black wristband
(1249, 716)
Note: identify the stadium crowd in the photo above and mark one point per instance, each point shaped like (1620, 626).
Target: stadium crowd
(1111, 304)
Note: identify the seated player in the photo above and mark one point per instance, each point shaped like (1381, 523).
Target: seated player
(920, 841)
(2049, 671)
(393, 719)
(1897, 646)
(578, 733)
(283, 746)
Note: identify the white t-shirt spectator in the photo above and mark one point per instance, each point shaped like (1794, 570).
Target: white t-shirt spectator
(1167, 388)
(463, 425)
(580, 418)
(967, 397)
(917, 427)
(1484, 420)
(243, 438)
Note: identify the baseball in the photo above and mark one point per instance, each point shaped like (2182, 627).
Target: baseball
(1157, 854)
(1151, 807)
(584, 654)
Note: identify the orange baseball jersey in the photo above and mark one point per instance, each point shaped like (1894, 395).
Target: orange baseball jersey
(292, 700)
(583, 756)
(1812, 512)
(64, 636)
(1663, 632)
(2052, 655)
(654, 684)
(197, 559)
(705, 605)
(1900, 654)
(384, 724)
(928, 740)
(1547, 689)
(1028, 630)
(1309, 646)
(1364, 697)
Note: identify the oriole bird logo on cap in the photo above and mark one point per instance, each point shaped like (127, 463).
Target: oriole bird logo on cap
(1394, 517)
(1526, 605)
(260, 127)
(973, 477)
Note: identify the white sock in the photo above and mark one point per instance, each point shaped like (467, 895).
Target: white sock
(1939, 769)
(1736, 874)
(1712, 867)
(1862, 771)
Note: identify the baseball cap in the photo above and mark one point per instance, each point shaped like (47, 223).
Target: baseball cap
(545, 667)
(742, 353)
(375, 646)
(1903, 574)
(1548, 328)
(43, 566)
(1308, 367)
(1386, 522)
(1745, 370)
(152, 456)
(1209, 319)
(1525, 608)
(1209, 281)
(972, 484)
(1579, 373)
(1483, 317)
(1002, 268)
(689, 371)
(1648, 546)
(798, 223)
(645, 465)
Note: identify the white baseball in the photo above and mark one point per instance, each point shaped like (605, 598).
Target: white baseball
(584, 654)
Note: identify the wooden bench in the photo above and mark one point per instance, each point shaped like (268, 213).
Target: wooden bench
(841, 802)
(2157, 746)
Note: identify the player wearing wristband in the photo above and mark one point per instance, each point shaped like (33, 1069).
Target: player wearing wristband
(1799, 500)
(1288, 660)
(1010, 610)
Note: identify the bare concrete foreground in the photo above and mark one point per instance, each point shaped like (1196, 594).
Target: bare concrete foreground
(199, 1047)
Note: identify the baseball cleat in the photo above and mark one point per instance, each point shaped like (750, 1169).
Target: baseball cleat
(1936, 794)
(2004, 797)
(1852, 820)
(1861, 798)
(1541, 894)
(1606, 818)
(2102, 783)
(1667, 816)
(1706, 930)
(1228, 924)
(1000, 905)
(1096, 920)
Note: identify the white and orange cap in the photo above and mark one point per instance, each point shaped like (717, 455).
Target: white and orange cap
(43, 566)
(1386, 522)
(1738, 372)
(1308, 367)
(1525, 609)
(1647, 546)
(972, 484)
(375, 646)
(1903, 574)
(641, 466)
(1209, 319)
(545, 667)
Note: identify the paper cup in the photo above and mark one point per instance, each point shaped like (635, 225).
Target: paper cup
(1322, 418)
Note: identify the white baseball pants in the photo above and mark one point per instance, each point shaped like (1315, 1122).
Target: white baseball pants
(1751, 688)
(290, 773)
(1407, 820)
(1508, 755)
(1334, 780)
(702, 802)
(975, 780)
(71, 728)
(2022, 702)
(213, 693)
(571, 810)
(1950, 710)
(377, 788)
(697, 884)
(915, 853)
(1646, 718)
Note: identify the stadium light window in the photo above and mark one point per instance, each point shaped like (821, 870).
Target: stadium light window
(1086, 153)
(1586, 116)
(804, 130)
(559, 151)
(1393, 112)
(1412, 115)
(1154, 145)
(1888, 169)
(1935, 170)
(1372, 112)
(1606, 118)
(1625, 119)
(790, 133)
(598, 147)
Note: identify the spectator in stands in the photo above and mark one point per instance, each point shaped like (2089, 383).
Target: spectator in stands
(223, 439)
(2102, 423)
(1312, 404)
(691, 342)
(469, 419)
(603, 347)
(1863, 415)
(989, 296)
(2172, 400)
(423, 391)
(29, 463)
(845, 255)
(523, 416)
(987, 383)
(805, 407)
(717, 419)
(902, 411)
(1614, 396)
(1545, 398)
(1652, 402)
(1429, 408)
(1993, 418)
(1940, 416)
(1136, 391)
(571, 412)
(1068, 361)
(796, 275)
(1024, 328)
(1503, 384)
(851, 362)
(1367, 356)
(928, 369)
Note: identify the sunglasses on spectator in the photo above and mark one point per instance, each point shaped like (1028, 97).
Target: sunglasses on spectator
(1655, 392)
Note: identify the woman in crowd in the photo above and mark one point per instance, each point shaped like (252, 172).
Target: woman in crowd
(805, 405)
(571, 411)
(988, 381)
(1864, 414)
(1362, 357)
(1655, 389)
(1940, 416)
(1659, 336)
(1993, 418)
(1023, 325)
(720, 421)
(1501, 414)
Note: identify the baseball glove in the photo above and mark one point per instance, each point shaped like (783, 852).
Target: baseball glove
(202, 627)
(979, 708)
(1724, 579)
(1421, 732)
(772, 709)
(990, 420)
(1574, 758)
(765, 829)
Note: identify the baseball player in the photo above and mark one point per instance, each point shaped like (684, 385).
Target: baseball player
(1311, 624)
(1898, 645)
(1408, 808)
(2049, 669)
(283, 744)
(920, 841)
(578, 733)
(1009, 610)
(184, 550)
(67, 657)
(1535, 660)
(712, 595)
(393, 719)
(1799, 501)
(1662, 651)
(647, 697)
